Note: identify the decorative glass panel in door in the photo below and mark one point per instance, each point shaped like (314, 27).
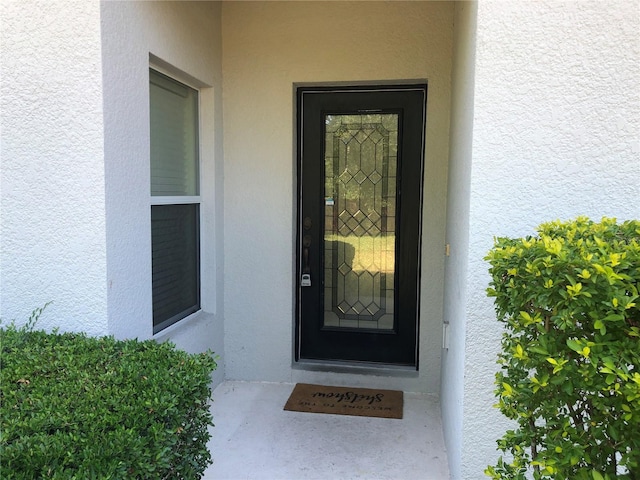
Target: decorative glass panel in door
(359, 226)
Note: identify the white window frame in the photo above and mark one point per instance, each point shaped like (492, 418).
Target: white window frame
(182, 200)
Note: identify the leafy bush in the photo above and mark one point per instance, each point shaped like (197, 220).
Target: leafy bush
(570, 358)
(75, 407)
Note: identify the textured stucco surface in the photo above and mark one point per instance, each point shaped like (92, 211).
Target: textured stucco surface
(457, 233)
(556, 126)
(75, 162)
(184, 39)
(52, 221)
(269, 46)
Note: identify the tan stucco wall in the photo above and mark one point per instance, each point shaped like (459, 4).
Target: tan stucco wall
(267, 47)
(52, 195)
(555, 135)
(456, 264)
(183, 39)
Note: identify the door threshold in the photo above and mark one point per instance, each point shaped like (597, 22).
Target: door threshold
(360, 368)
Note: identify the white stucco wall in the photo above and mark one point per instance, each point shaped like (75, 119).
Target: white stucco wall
(184, 39)
(556, 132)
(457, 233)
(52, 222)
(269, 46)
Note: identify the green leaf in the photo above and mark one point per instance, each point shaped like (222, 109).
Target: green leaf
(574, 345)
(508, 391)
(542, 351)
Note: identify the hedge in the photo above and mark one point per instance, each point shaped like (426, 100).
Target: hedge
(570, 357)
(77, 407)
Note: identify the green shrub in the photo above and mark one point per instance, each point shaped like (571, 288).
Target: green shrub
(75, 407)
(570, 358)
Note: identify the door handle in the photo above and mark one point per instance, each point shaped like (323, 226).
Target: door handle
(306, 244)
(305, 280)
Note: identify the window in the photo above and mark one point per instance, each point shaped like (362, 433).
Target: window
(175, 200)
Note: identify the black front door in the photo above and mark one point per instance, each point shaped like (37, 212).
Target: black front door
(360, 169)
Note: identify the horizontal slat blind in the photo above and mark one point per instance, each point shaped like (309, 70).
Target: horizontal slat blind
(174, 137)
(175, 262)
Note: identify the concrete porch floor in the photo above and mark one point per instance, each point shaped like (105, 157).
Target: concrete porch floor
(254, 438)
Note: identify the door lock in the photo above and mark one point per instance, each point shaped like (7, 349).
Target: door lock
(308, 223)
(305, 280)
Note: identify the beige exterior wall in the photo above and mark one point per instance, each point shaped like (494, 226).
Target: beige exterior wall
(555, 135)
(183, 39)
(52, 194)
(267, 48)
(456, 265)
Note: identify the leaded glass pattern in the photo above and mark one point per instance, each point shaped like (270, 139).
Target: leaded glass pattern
(360, 213)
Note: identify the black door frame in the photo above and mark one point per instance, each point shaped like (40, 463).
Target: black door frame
(313, 102)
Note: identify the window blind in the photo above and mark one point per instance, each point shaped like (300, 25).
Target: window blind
(175, 262)
(174, 137)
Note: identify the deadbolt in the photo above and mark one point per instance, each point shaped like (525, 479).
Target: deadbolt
(307, 223)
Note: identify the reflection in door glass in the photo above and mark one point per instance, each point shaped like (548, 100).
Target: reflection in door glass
(360, 213)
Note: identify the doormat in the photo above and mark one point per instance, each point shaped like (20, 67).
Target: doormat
(363, 402)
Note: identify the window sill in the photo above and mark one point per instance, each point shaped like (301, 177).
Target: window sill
(179, 325)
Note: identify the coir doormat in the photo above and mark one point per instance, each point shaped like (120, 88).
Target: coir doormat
(364, 402)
